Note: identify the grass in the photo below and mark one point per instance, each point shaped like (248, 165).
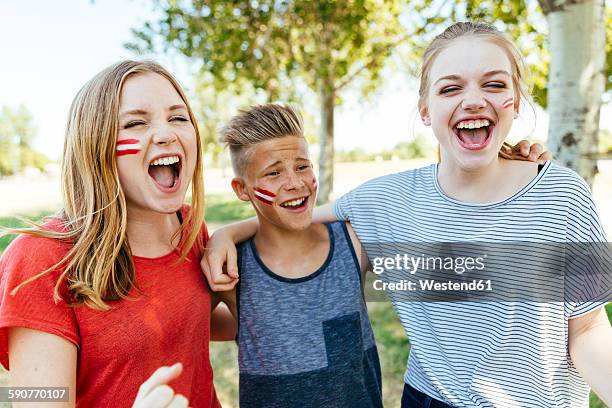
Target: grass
(16, 222)
(393, 345)
(221, 208)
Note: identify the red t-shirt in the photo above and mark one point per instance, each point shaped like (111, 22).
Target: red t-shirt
(166, 322)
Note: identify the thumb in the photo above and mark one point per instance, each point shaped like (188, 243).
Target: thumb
(161, 376)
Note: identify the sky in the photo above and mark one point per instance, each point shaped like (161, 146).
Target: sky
(50, 49)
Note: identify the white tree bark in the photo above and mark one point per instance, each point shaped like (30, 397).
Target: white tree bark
(576, 81)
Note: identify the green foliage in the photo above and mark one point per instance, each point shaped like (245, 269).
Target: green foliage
(268, 43)
(16, 132)
(605, 141)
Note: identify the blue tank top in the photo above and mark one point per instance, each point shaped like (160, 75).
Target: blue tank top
(306, 342)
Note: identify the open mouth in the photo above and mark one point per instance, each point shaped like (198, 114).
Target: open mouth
(474, 134)
(165, 172)
(295, 204)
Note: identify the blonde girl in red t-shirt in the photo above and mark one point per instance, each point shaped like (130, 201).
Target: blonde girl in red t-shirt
(110, 288)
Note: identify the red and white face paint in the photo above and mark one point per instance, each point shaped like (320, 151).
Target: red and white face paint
(128, 146)
(507, 103)
(264, 196)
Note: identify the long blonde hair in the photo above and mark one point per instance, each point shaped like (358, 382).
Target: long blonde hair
(99, 265)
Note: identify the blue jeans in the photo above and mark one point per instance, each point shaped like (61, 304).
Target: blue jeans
(412, 398)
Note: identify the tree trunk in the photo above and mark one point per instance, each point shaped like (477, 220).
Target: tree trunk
(576, 82)
(326, 145)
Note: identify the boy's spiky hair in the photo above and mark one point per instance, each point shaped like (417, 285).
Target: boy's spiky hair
(258, 124)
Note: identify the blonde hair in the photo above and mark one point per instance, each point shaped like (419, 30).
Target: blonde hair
(99, 265)
(482, 31)
(258, 124)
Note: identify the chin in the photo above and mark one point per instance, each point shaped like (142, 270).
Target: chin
(167, 206)
(473, 160)
(475, 163)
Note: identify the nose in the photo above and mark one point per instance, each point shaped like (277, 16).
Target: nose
(163, 135)
(473, 100)
(294, 181)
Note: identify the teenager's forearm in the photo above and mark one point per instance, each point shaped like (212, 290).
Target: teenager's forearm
(592, 355)
(324, 213)
(242, 230)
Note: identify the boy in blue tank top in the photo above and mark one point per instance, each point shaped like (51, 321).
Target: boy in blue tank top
(304, 338)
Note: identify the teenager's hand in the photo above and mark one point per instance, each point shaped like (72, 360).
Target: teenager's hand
(220, 254)
(523, 150)
(156, 393)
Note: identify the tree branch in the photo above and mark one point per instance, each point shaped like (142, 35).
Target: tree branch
(400, 40)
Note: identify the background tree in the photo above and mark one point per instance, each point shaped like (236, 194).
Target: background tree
(577, 80)
(16, 132)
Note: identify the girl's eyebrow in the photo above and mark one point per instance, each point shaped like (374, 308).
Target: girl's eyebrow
(177, 107)
(497, 71)
(486, 74)
(144, 112)
(452, 77)
(133, 112)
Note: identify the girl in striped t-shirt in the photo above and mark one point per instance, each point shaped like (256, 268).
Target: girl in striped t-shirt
(487, 354)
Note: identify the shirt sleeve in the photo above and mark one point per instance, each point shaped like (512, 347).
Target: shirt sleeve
(589, 283)
(33, 305)
(343, 207)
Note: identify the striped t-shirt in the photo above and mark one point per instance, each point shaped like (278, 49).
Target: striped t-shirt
(483, 354)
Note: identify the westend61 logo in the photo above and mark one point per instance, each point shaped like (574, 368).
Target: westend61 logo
(412, 264)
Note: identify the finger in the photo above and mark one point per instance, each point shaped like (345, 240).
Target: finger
(223, 279)
(232, 263)
(205, 268)
(506, 151)
(161, 376)
(226, 286)
(523, 148)
(215, 264)
(179, 401)
(545, 156)
(160, 397)
(535, 151)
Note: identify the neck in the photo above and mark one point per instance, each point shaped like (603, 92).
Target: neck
(276, 238)
(475, 186)
(150, 233)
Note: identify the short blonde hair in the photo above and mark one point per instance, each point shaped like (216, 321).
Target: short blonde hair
(478, 30)
(258, 124)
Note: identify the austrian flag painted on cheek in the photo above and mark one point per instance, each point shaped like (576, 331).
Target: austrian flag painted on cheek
(264, 195)
(128, 146)
(508, 103)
